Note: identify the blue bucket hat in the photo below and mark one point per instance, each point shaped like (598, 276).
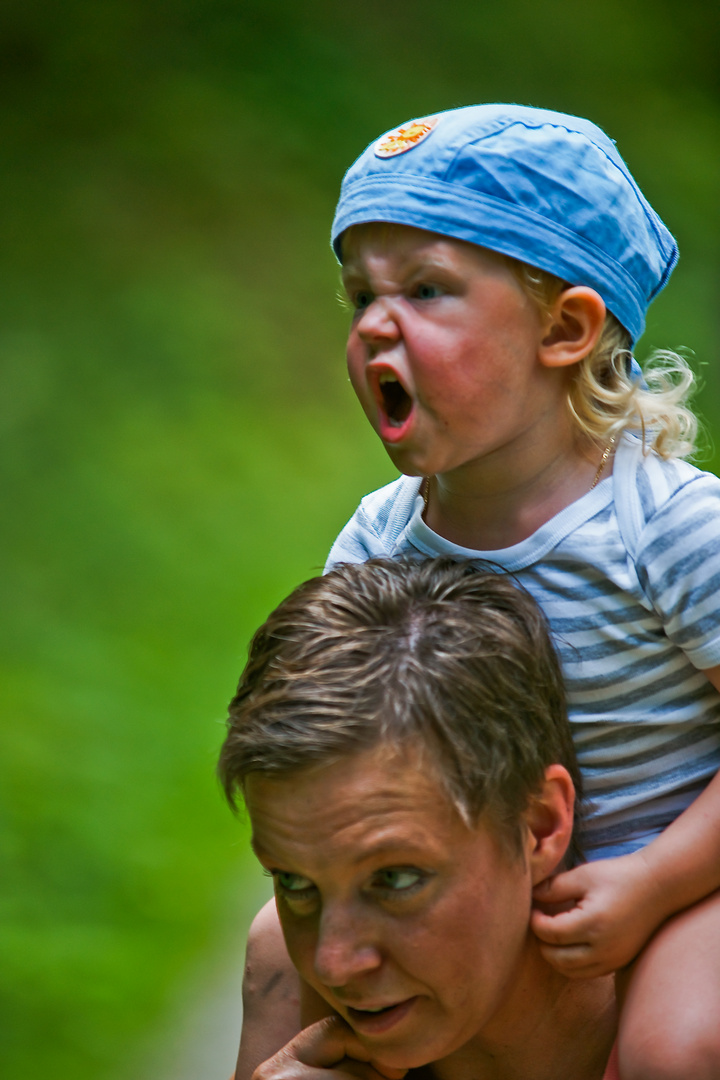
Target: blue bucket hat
(543, 187)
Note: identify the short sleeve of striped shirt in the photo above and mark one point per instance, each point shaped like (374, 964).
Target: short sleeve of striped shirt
(677, 558)
(377, 525)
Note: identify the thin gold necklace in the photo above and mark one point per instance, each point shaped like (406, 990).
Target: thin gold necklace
(425, 486)
(603, 462)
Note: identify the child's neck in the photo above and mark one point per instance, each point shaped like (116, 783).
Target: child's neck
(486, 509)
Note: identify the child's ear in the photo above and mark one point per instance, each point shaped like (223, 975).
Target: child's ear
(549, 818)
(573, 328)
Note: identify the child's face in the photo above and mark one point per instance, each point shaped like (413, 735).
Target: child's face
(443, 350)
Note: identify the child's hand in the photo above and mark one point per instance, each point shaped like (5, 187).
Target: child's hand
(616, 908)
(327, 1050)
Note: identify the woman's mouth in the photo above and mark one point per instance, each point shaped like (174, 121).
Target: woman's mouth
(377, 1021)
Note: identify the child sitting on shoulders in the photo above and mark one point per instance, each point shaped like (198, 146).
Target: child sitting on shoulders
(499, 261)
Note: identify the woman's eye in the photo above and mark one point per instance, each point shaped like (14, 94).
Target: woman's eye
(398, 879)
(293, 883)
(426, 291)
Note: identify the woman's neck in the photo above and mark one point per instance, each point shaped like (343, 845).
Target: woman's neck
(564, 1031)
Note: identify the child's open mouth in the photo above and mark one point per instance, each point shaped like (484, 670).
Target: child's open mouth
(396, 401)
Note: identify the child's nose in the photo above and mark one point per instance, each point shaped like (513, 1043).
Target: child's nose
(378, 322)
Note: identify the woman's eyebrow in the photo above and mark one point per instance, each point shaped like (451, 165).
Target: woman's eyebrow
(260, 853)
(398, 851)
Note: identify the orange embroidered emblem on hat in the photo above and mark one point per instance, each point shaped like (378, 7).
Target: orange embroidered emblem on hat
(406, 137)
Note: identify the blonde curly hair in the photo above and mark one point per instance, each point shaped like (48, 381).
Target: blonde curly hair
(604, 399)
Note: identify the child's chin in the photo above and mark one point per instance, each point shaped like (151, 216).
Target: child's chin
(404, 462)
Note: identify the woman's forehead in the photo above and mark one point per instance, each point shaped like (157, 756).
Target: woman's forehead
(363, 811)
(370, 799)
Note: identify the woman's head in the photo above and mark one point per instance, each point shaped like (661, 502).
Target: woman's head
(432, 655)
(412, 924)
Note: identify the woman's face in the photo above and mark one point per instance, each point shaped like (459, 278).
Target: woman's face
(413, 926)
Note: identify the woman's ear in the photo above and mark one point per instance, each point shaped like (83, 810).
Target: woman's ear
(574, 326)
(549, 818)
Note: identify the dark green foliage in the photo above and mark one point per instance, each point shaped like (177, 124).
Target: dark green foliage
(179, 442)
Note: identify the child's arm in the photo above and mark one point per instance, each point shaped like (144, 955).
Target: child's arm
(619, 903)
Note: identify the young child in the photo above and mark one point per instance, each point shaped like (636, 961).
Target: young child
(499, 260)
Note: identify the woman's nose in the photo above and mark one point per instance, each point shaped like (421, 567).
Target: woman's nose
(345, 949)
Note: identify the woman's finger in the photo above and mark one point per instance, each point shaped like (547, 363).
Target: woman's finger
(330, 1045)
(326, 1043)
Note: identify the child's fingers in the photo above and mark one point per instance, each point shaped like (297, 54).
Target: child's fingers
(576, 961)
(574, 927)
(561, 888)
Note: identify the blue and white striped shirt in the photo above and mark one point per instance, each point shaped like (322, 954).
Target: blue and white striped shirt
(629, 579)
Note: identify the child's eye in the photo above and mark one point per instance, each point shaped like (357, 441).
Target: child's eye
(426, 291)
(398, 878)
(362, 299)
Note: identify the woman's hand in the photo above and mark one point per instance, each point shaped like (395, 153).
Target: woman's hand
(327, 1050)
(616, 907)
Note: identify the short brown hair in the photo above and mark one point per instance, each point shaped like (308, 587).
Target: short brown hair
(432, 653)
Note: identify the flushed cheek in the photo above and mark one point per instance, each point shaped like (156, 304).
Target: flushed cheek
(463, 407)
(444, 371)
(356, 373)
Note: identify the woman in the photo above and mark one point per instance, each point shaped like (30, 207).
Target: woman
(400, 739)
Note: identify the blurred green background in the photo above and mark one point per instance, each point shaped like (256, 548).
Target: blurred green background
(180, 444)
